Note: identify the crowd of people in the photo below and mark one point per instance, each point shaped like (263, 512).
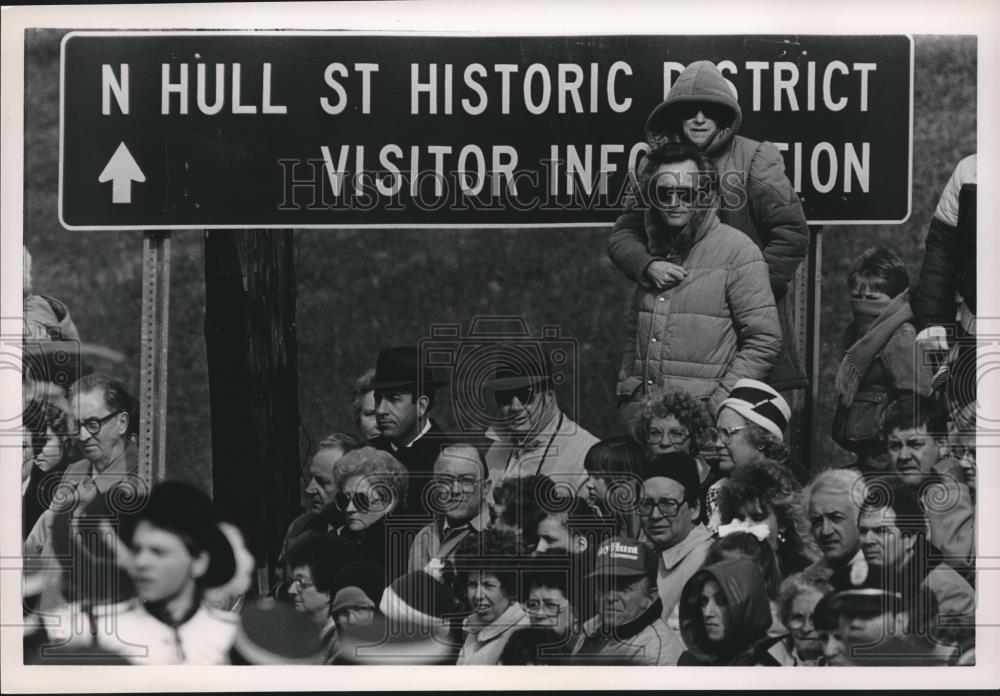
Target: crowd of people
(692, 538)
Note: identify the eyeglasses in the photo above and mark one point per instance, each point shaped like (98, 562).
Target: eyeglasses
(668, 507)
(94, 425)
(301, 582)
(465, 483)
(505, 397)
(797, 622)
(676, 436)
(362, 501)
(724, 434)
(544, 607)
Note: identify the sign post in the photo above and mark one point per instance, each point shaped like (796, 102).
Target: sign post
(153, 356)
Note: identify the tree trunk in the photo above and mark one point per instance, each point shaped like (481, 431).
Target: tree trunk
(253, 383)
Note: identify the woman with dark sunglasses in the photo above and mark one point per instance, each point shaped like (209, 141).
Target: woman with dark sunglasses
(371, 485)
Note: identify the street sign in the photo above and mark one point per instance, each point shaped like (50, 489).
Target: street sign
(172, 130)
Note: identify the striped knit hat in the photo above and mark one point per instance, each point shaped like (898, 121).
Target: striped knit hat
(761, 404)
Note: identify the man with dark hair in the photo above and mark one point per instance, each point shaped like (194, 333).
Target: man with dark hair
(534, 436)
(670, 514)
(629, 628)
(404, 395)
(893, 530)
(458, 499)
(915, 430)
(717, 323)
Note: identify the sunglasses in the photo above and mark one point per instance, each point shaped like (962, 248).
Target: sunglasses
(505, 397)
(362, 501)
(710, 111)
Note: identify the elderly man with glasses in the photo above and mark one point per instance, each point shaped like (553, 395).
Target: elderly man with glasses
(457, 498)
(533, 436)
(104, 424)
(94, 488)
(670, 514)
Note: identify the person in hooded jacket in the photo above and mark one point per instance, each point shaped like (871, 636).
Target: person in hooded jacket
(758, 199)
(719, 323)
(725, 616)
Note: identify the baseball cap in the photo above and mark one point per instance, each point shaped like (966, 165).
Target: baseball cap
(623, 557)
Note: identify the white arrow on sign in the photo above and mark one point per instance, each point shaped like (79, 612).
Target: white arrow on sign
(121, 170)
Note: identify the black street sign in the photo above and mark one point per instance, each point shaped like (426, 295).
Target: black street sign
(171, 130)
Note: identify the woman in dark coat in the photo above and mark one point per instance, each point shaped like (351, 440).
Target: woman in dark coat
(725, 615)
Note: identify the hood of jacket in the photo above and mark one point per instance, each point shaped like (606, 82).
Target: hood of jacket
(749, 610)
(47, 318)
(700, 82)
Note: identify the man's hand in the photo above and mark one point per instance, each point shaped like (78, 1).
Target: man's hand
(665, 275)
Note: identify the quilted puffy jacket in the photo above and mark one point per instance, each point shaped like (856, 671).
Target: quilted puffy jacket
(756, 198)
(716, 326)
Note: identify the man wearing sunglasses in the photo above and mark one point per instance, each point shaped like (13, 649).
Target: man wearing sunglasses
(718, 324)
(533, 436)
(669, 513)
(404, 395)
(756, 198)
(110, 462)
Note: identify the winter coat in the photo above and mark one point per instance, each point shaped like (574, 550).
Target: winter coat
(146, 637)
(646, 640)
(746, 642)
(947, 502)
(716, 326)
(950, 253)
(880, 363)
(484, 645)
(756, 198)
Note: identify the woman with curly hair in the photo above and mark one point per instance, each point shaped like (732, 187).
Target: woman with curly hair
(673, 420)
(371, 485)
(765, 500)
(487, 576)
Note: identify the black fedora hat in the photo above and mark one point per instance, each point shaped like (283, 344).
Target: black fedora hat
(519, 366)
(399, 366)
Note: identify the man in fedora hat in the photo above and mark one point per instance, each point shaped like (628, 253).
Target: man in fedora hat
(533, 436)
(404, 394)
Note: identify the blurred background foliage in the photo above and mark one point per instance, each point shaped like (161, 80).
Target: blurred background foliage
(359, 290)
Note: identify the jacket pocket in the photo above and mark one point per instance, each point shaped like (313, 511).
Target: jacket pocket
(861, 422)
